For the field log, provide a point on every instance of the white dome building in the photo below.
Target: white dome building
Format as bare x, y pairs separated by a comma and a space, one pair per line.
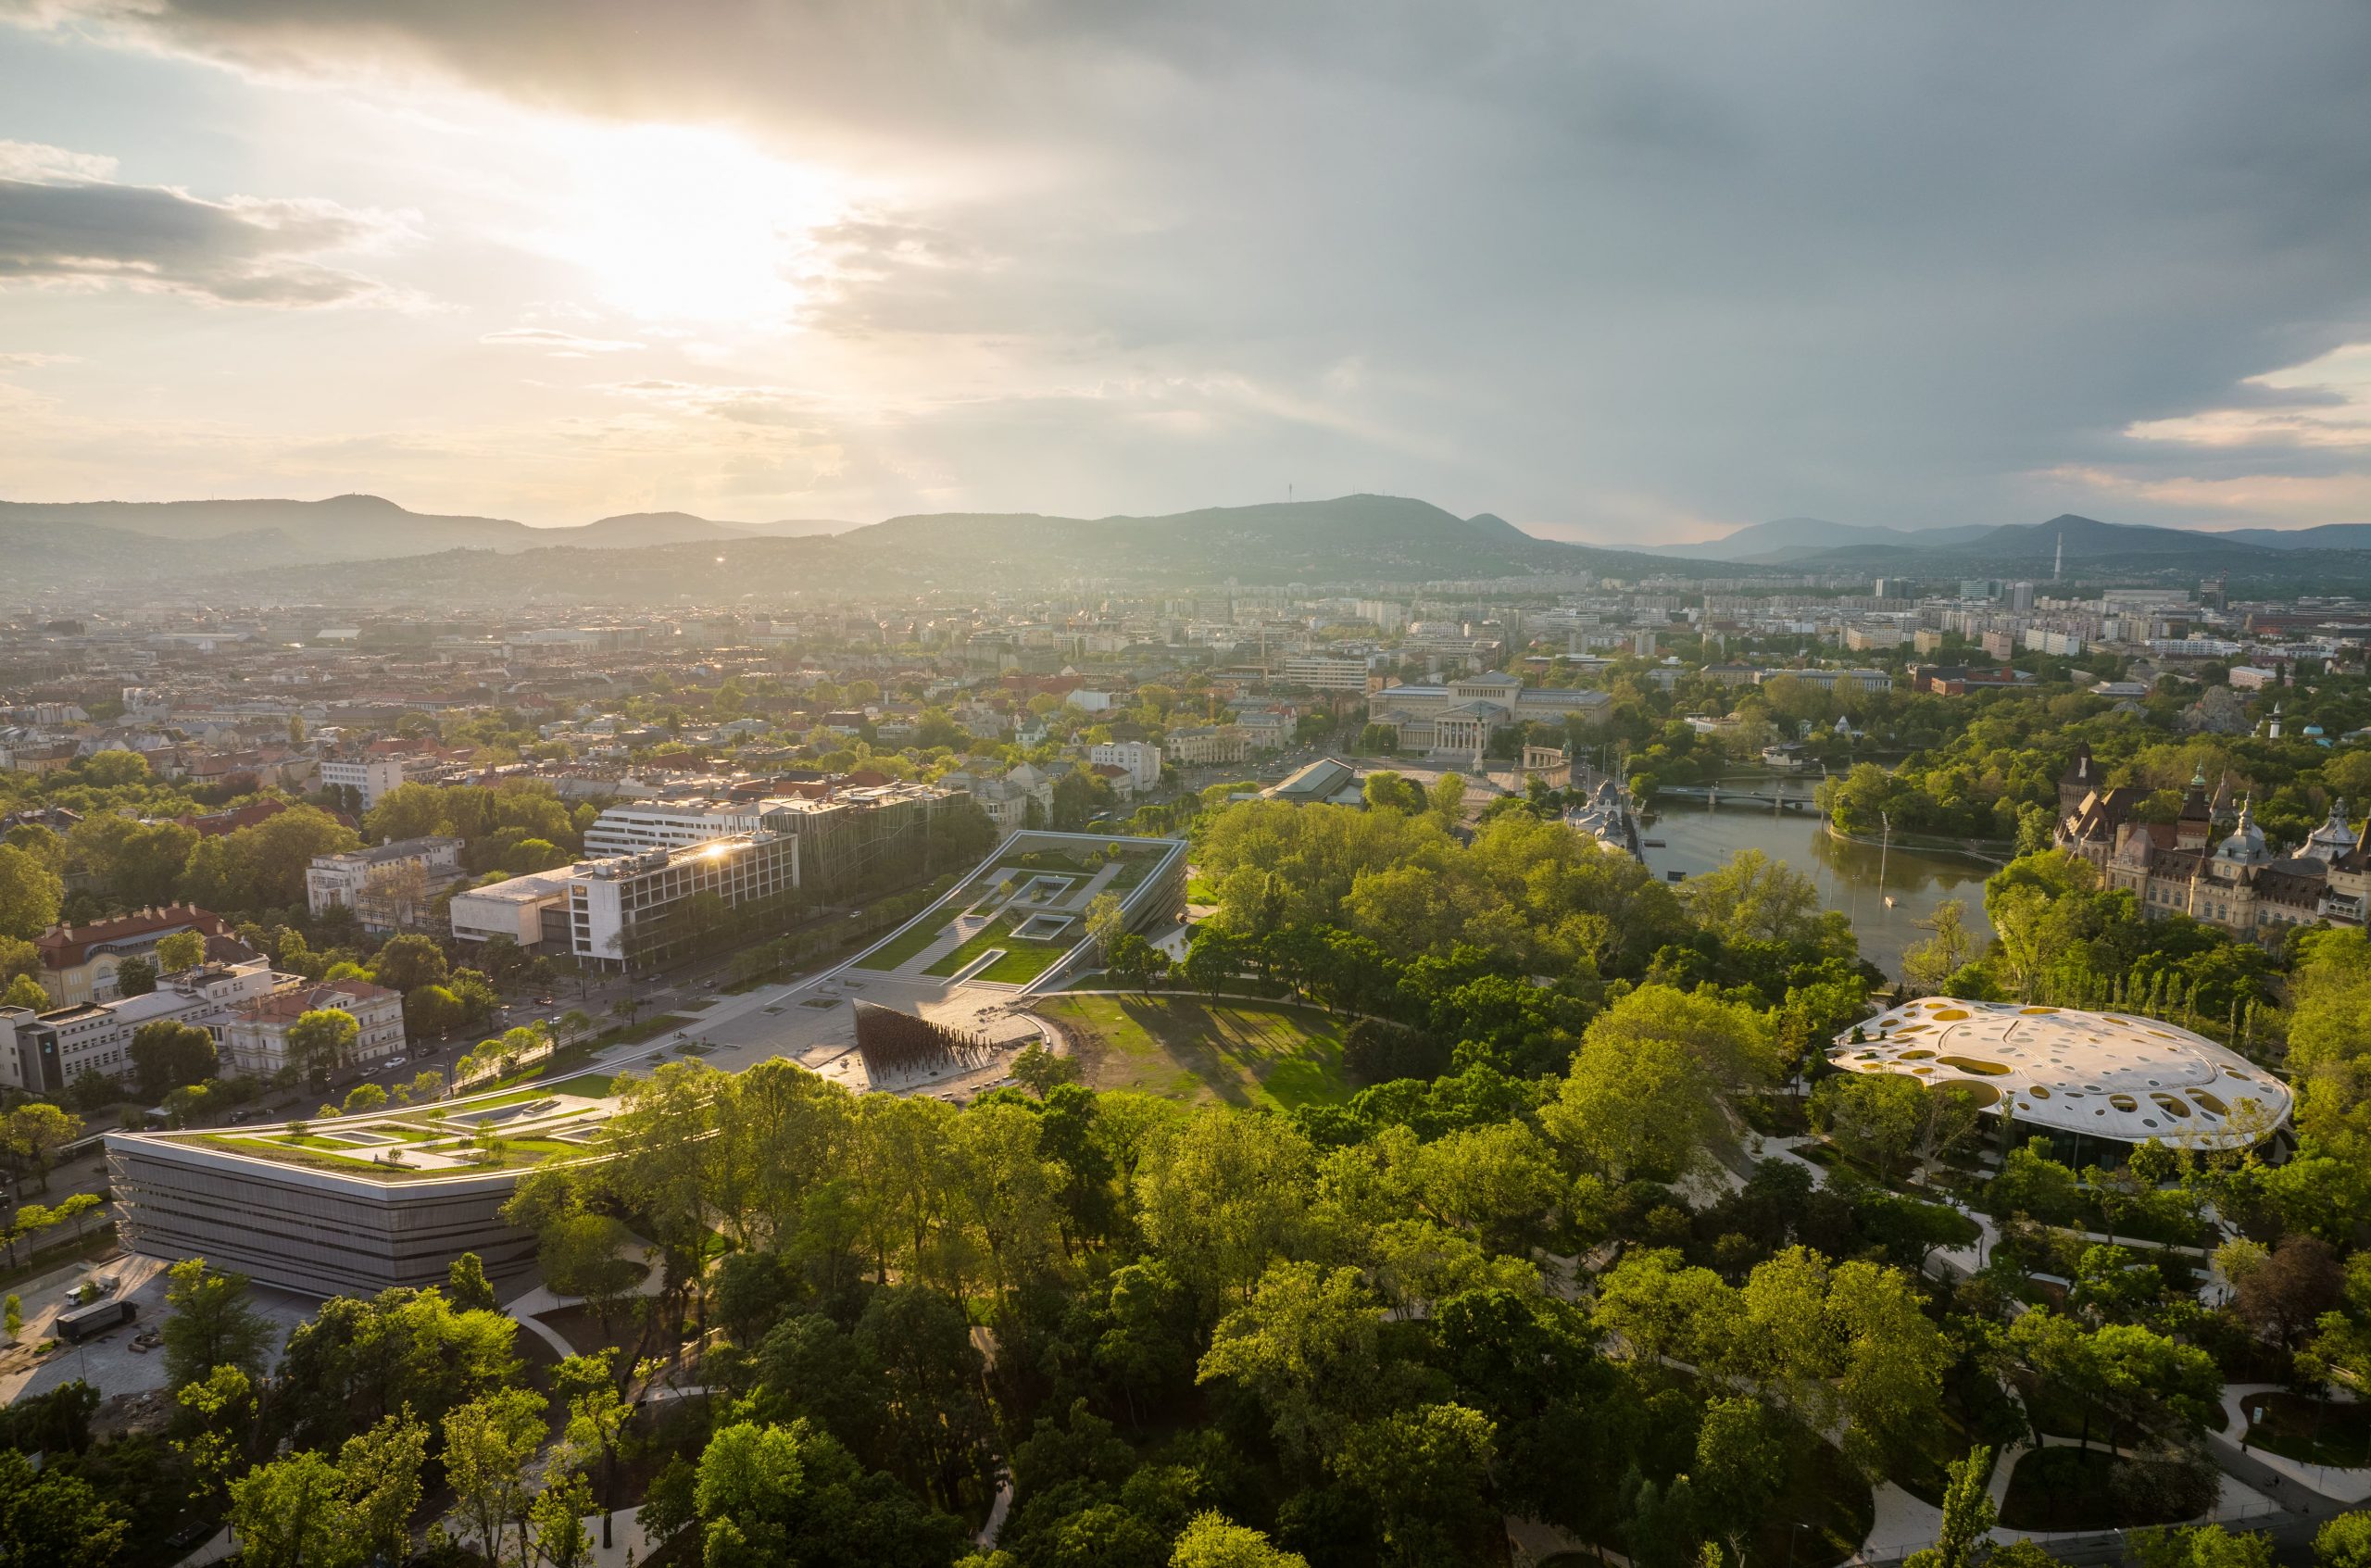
2104, 1076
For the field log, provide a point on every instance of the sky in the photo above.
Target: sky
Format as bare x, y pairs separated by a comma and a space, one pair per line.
1633, 272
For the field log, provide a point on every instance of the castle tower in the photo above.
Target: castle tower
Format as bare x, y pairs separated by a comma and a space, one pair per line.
2196, 822
2079, 779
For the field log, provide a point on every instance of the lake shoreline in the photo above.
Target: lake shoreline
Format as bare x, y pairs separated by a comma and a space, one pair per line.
1926, 844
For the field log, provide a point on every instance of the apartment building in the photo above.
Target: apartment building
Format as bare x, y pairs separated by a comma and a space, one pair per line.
1204, 745
44, 1052
388, 886
1264, 730
254, 1035
370, 777
1140, 757
79, 962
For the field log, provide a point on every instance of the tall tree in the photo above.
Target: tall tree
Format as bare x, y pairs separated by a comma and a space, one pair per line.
52, 1519
182, 949
168, 1054
408, 962
1304, 1347
1211, 1540
293, 1513
215, 1428
321, 1041
209, 1324
33, 1132
1968, 1514
1428, 1471
380, 1468
466, 1285
488, 1445
1222, 1249
598, 1418
30, 893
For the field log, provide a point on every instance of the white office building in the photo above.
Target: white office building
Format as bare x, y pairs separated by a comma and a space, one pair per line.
650, 824
623, 912
371, 777
1324, 673
1140, 757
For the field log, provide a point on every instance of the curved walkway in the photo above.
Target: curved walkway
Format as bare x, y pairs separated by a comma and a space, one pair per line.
2284, 1478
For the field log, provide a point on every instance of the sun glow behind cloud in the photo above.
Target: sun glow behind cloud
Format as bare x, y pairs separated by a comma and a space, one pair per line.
680, 224
2325, 402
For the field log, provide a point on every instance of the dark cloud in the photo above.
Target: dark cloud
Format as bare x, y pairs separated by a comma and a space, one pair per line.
244, 251
1620, 264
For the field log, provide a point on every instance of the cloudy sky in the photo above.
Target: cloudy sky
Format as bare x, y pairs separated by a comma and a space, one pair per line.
1624, 271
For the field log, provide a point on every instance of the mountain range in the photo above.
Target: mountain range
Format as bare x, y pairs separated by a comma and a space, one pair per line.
213, 550
311, 547
371, 527
1789, 539
1792, 541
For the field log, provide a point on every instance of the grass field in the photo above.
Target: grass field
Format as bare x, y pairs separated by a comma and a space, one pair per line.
2068, 1489
2309, 1431
889, 954
1184, 1049
1024, 961
992, 935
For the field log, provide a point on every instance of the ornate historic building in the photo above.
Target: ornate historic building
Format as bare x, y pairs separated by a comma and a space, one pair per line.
2193, 866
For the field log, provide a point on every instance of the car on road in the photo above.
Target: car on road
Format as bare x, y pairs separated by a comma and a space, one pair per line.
395, 1061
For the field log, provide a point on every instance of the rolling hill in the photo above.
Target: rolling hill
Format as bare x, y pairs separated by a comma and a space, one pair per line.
1795, 538
1375, 539
2328, 536
354, 528
311, 548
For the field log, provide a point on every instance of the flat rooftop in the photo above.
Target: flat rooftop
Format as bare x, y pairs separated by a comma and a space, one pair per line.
2110, 1075
535, 1124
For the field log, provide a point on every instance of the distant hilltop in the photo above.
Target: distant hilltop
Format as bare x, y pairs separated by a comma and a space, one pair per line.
1816, 543
313, 548
1371, 537
371, 527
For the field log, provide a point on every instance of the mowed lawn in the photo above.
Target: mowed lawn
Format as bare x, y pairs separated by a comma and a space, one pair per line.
1185, 1048
892, 953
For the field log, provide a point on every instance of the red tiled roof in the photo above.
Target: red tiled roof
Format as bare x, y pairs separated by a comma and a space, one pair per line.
65, 947
287, 1007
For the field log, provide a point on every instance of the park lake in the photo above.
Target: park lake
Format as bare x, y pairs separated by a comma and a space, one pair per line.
1696, 837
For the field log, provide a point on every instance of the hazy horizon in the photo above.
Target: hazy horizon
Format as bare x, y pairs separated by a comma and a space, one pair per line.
1639, 275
